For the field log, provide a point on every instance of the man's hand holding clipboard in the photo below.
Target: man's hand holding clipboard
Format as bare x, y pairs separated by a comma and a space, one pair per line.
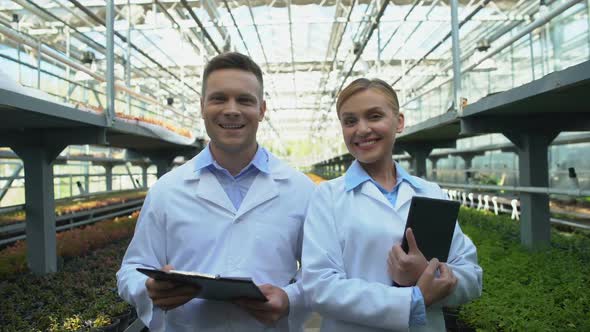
168, 295
169, 289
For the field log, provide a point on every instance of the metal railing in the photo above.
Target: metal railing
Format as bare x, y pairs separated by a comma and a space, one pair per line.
14, 232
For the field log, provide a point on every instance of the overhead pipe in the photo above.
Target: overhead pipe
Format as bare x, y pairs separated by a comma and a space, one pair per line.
40, 11
537, 23
171, 18
497, 34
324, 82
110, 23
261, 46
456, 55
465, 20
43, 13
361, 50
236, 26
196, 19
101, 22
434, 3
63, 59
292, 52
258, 34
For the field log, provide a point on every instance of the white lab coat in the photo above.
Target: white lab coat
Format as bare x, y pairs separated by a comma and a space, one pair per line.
189, 222
348, 236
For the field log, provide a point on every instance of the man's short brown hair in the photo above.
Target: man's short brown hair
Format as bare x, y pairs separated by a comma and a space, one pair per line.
232, 60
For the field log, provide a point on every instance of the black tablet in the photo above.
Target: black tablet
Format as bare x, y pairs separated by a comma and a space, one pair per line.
433, 223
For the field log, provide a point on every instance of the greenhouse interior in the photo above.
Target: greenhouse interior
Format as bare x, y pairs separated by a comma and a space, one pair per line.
105, 103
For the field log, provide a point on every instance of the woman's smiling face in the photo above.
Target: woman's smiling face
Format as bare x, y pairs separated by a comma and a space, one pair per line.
369, 125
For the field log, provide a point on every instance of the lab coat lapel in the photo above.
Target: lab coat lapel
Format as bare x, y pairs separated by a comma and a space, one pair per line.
369, 189
404, 194
262, 190
210, 189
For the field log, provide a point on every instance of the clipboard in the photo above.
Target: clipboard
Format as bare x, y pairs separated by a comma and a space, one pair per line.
433, 223
213, 287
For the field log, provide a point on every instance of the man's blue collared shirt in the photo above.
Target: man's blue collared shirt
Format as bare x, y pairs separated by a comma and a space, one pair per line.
237, 186
355, 176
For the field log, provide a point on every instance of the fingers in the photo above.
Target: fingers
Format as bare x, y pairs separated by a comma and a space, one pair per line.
266, 289
435, 288
426, 283
261, 311
431, 269
445, 271
412, 245
267, 312
168, 295
254, 305
169, 303
446, 274
397, 252
158, 285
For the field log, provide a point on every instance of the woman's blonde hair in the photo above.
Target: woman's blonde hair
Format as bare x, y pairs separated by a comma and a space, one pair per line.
363, 84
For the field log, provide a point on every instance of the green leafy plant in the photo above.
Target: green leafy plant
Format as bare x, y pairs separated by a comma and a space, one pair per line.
527, 291
78, 298
101, 320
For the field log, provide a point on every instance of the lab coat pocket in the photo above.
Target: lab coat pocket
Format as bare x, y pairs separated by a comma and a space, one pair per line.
276, 242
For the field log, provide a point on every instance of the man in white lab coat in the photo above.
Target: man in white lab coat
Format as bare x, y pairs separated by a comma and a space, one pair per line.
233, 210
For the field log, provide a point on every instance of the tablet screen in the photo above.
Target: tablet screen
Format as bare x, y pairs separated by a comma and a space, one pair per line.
433, 224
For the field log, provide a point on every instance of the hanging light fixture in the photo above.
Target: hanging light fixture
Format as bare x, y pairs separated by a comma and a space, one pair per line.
88, 57
488, 64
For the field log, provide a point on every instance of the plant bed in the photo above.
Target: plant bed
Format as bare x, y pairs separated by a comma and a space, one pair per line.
70, 244
81, 297
453, 322
70, 206
545, 290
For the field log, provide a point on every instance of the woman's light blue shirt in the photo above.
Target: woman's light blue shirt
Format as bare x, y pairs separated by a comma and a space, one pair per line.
355, 176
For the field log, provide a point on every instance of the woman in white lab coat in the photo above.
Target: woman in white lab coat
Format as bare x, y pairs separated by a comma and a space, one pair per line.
355, 224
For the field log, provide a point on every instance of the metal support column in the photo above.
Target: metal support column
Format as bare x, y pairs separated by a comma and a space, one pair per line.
532, 51
39, 46
588, 19
468, 159
533, 172
434, 161
40, 206
110, 19
128, 57
68, 70
108, 171
144, 175
87, 182
456, 55
162, 165
419, 155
